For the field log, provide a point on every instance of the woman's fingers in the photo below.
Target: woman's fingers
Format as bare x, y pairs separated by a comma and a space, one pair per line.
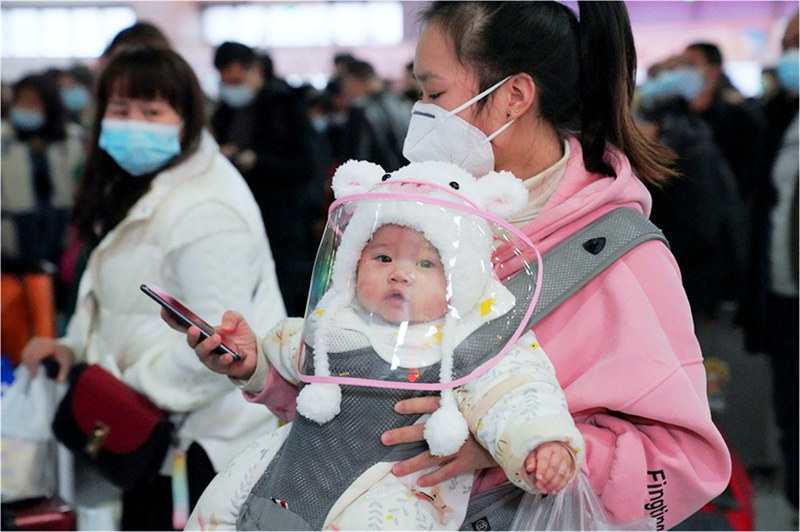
33, 353
408, 434
450, 467
418, 405
168, 317
416, 463
471, 456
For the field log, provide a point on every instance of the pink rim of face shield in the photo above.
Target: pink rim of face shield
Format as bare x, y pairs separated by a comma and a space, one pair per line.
469, 208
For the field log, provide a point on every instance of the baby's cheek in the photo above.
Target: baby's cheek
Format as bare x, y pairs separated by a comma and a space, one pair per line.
435, 309
365, 293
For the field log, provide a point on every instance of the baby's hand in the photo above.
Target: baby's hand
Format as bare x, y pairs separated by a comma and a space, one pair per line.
550, 467
235, 332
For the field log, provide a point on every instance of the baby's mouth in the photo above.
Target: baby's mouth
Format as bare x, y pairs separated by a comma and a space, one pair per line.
397, 297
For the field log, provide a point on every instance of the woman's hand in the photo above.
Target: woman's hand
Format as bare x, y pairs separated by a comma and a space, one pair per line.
40, 348
471, 456
234, 332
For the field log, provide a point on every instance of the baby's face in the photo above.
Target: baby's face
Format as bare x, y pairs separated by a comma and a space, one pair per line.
400, 277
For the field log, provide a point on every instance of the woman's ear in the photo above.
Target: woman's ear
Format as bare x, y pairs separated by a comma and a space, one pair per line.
521, 91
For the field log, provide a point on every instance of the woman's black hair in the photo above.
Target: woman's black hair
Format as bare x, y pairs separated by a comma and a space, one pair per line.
55, 115
106, 191
584, 70
140, 33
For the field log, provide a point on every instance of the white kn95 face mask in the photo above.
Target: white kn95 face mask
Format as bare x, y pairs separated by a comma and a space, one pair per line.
438, 135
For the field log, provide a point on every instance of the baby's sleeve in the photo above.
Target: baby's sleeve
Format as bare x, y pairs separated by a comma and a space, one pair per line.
281, 347
518, 405
274, 382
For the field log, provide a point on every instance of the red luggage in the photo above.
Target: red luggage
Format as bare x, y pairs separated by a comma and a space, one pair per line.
50, 513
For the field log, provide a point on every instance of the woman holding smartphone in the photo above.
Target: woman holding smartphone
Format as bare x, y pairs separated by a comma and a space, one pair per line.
158, 204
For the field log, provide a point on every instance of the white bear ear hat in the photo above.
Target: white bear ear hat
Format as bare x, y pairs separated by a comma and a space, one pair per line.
464, 244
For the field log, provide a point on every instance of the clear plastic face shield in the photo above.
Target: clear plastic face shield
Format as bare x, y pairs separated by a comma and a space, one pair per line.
420, 283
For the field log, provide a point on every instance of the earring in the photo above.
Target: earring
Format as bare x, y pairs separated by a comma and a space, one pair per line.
516, 110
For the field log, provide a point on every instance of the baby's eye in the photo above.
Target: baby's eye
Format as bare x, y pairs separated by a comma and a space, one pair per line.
383, 258
427, 264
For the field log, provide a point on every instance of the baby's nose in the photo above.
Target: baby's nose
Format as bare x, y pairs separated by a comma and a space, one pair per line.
402, 274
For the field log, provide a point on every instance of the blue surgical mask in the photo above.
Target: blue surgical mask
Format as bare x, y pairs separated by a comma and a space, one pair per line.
319, 123
237, 96
684, 82
75, 98
140, 147
26, 119
787, 70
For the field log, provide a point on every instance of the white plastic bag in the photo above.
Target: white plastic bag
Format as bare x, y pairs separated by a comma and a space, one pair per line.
28, 449
576, 507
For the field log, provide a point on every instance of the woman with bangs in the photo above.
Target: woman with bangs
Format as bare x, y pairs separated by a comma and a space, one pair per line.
158, 204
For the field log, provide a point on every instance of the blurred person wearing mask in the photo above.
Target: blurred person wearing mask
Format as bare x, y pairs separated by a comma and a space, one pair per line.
772, 313
377, 121
736, 123
158, 204
76, 84
336, 109
41, 156
738, 127
701, 212
264, 129
77, 93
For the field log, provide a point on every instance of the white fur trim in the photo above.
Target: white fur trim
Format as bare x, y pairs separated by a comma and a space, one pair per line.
319, 401
504, 194
446, 430
355, 177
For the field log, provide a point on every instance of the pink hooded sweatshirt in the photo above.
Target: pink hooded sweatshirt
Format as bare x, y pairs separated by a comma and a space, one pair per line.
630, 364
627, 357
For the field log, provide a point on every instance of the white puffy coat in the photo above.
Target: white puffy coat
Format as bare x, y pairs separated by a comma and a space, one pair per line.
198, 234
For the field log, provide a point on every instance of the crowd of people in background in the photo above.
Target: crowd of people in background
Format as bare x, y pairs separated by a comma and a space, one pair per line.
726, 219
303, 133
732, 219
286, 141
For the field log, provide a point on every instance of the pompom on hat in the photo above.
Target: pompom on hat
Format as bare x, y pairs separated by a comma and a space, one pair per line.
465, 245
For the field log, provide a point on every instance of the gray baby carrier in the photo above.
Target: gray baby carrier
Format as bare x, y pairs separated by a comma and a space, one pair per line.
298, 489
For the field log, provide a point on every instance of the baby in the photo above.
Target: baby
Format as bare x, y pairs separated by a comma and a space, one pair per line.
409, 297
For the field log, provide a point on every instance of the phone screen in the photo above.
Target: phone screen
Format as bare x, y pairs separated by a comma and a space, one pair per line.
186, 316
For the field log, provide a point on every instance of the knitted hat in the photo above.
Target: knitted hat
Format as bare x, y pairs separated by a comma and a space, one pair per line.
419, 196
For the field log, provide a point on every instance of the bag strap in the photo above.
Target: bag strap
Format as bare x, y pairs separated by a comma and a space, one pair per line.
579, 258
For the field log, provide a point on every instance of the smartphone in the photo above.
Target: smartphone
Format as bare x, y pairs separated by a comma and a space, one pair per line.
186, 316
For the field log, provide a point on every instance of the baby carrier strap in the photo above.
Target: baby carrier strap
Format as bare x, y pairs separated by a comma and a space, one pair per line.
585, 254
567, 267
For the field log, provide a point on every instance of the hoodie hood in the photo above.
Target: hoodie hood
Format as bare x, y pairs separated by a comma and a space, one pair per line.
582, 194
